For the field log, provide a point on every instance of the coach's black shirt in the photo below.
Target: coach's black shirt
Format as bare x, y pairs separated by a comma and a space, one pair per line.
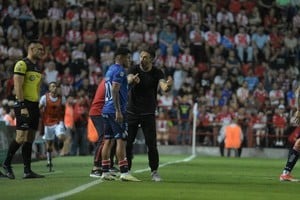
143, 96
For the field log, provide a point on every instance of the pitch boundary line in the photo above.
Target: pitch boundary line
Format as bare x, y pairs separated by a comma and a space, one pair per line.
91, 184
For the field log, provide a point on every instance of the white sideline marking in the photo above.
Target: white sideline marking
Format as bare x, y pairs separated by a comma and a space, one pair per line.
74, 191
91, 184
167, 163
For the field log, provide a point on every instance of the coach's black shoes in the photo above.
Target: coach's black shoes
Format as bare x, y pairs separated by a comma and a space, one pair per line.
8, 172
32, 174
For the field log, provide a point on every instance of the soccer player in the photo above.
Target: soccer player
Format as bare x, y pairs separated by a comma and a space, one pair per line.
294, 152
27, 79
96, 120
52, 106
144, 80
114, 114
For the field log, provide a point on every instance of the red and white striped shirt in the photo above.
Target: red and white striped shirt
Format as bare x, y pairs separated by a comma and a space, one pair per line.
212, 38
73, 36
150, 38
186, 60
242, 39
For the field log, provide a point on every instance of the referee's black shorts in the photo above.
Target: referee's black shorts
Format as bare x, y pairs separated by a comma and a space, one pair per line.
34, 115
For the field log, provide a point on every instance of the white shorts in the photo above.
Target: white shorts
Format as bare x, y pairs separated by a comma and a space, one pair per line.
55, 130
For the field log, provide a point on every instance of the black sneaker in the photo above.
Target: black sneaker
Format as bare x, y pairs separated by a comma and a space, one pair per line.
31, 174
96, 173
114, 169
49, 166
8, 172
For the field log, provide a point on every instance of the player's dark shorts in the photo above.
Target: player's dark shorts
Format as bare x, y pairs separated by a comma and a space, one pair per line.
98, 124
34, 115
113, 129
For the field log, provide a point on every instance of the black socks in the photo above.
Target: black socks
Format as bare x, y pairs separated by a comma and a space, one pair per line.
26, 154
13, 147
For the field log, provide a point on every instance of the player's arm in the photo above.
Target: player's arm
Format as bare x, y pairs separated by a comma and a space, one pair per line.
297, 98
116, 99
166, 85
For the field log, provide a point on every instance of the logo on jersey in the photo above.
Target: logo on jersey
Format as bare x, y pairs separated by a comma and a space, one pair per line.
32, 77
19, 67
122, 74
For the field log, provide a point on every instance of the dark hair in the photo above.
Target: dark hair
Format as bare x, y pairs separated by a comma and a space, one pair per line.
150, 50
35, 42
123, 51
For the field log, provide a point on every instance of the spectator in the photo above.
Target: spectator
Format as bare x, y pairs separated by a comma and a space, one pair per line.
279, 121
73, 37
62, 58
50, 73
105, 37
55, 15
212, 40
242, 18
40, 9
225, 18
243, 45
243, 93
260, 95
254, 17
260, 42
101, 15
14, 32
251, 79
184, 120
72, 16
276, 95
87, 16
197, 44
121, 36
186, 59
259, 125
168, 38
89, 38
162, 127
150, 36
79, 139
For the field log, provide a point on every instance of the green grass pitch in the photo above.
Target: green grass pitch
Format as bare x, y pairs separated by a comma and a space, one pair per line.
202, 178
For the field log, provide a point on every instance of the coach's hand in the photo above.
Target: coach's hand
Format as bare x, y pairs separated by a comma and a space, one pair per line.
136, 78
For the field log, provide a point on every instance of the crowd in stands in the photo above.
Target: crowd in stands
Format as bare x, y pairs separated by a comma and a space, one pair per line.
238, 59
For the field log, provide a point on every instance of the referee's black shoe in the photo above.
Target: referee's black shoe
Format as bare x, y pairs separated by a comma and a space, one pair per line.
8, 172
32, 174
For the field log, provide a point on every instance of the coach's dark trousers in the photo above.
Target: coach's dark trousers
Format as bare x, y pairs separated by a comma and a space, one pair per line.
148, 125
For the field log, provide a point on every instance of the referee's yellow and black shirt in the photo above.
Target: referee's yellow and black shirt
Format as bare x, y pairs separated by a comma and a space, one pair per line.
32, 78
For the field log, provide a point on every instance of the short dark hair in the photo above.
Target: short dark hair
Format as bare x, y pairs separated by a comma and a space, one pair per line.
150, 50
123, 51
35, 42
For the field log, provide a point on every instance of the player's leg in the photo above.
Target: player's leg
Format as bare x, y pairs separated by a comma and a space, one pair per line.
97, 121
291, 162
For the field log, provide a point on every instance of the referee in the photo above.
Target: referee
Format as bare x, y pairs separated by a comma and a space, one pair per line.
27, 79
